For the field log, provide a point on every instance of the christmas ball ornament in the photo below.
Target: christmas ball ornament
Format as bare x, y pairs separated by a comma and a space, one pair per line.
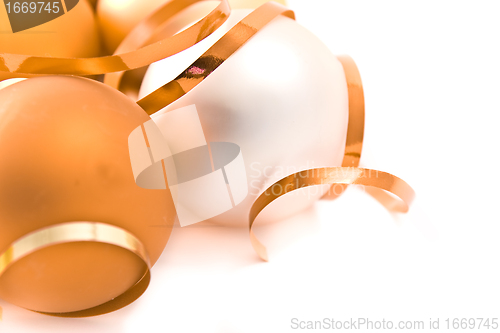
282, 98
74, 34
78, 235
93, 3
117, 17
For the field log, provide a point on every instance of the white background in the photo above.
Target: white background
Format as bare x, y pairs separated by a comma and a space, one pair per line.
431, 73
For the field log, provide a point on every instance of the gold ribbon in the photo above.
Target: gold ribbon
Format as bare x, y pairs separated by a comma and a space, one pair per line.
144, 46
378, 184
336, 175
356, 122
130, 59
82, 232
233, 40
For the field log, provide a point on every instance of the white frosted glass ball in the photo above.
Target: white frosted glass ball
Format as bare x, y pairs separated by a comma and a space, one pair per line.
282, 98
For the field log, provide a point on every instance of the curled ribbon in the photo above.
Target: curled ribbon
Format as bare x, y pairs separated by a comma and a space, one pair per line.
130, 59
145, 45
233, 40
336, 175
379, 184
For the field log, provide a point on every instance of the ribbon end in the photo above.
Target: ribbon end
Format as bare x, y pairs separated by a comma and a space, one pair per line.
258, 247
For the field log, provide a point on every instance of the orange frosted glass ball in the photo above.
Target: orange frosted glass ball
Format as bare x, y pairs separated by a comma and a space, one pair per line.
65, 158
